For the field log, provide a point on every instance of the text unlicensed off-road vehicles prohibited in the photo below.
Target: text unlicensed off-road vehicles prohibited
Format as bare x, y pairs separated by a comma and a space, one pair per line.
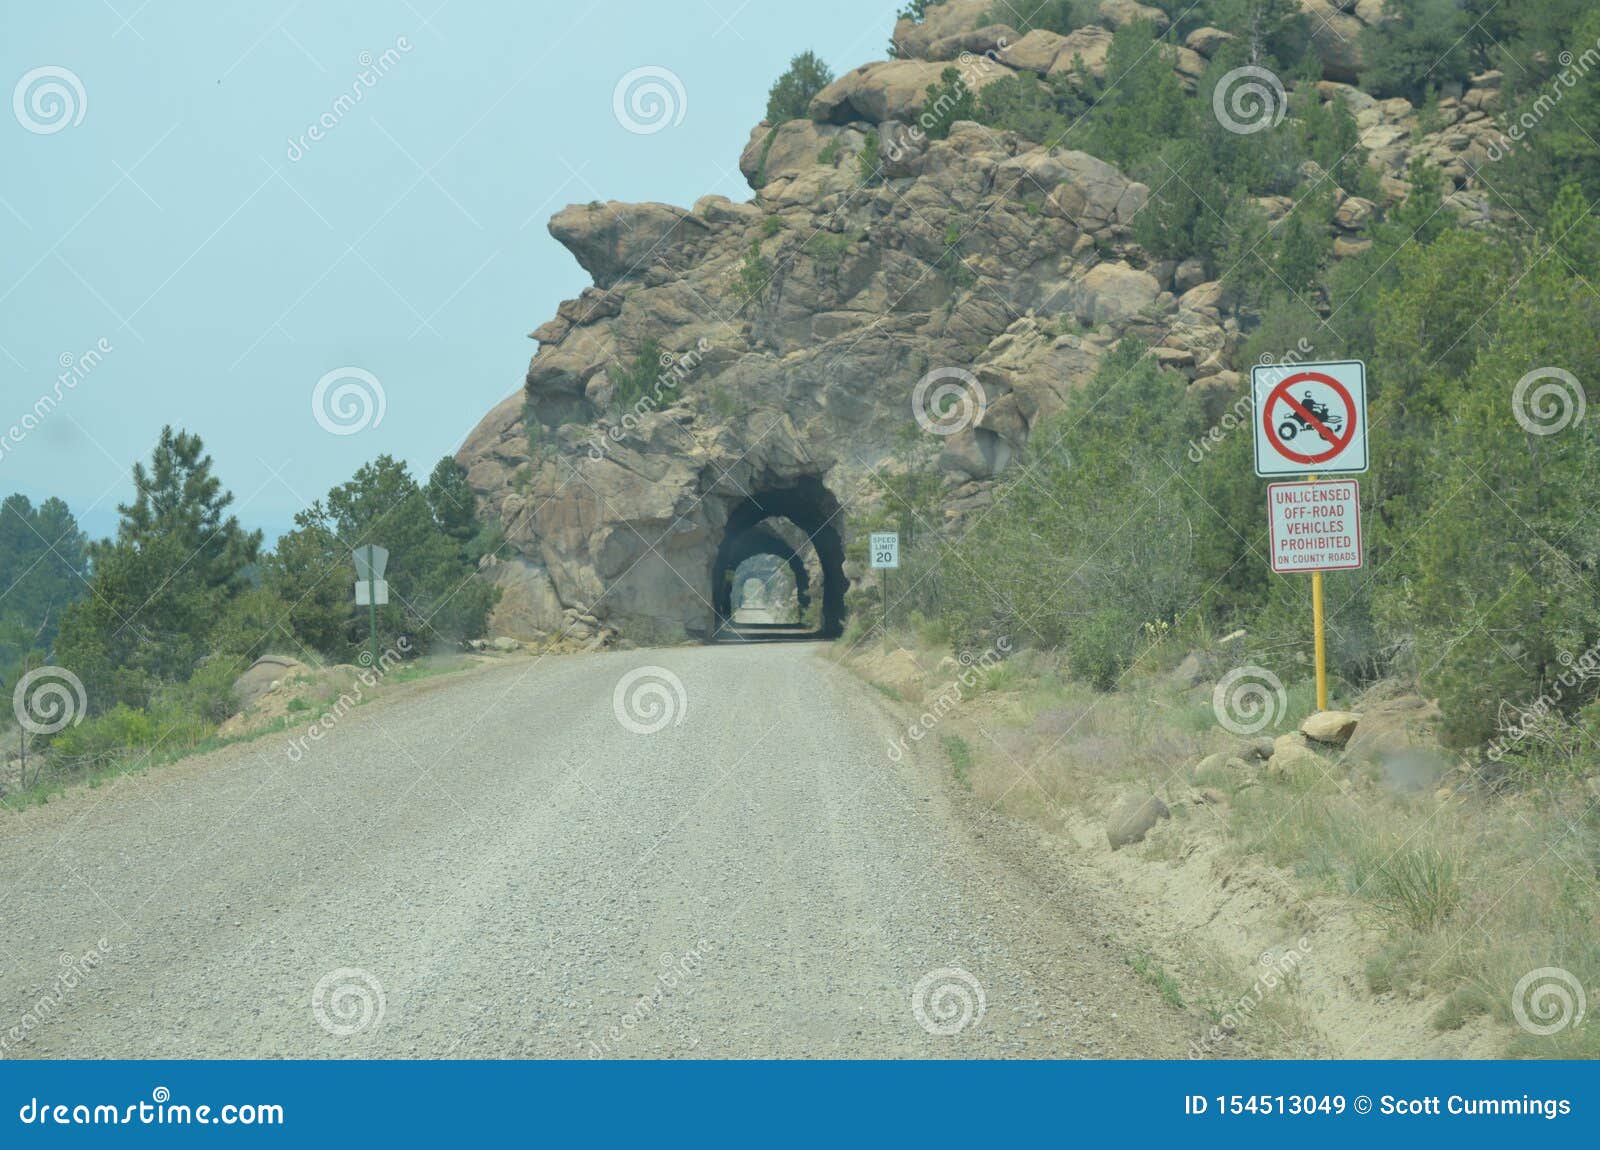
1309, 421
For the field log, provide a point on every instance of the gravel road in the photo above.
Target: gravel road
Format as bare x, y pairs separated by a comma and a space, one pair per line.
510, 863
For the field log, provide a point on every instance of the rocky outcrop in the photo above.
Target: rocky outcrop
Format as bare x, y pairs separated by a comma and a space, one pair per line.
796, 338
893, 90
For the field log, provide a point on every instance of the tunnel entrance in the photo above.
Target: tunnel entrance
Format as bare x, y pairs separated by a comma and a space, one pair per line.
781, 535
766, 589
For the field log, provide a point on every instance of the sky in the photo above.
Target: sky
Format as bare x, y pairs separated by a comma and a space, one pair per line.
176, 247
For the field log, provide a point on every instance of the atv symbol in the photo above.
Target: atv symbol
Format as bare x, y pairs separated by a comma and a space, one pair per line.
1296, 422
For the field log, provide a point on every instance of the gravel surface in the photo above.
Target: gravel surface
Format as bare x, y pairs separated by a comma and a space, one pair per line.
494, 864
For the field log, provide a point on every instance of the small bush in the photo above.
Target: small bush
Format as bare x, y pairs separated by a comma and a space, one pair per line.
1419, 887
960, 756
791, 93
869, 161
755, 272
947, 101
828, 248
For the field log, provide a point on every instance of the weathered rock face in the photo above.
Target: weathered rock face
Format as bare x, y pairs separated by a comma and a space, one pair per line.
793, 331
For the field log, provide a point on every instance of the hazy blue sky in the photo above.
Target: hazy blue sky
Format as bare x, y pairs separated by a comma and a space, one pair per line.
162, 212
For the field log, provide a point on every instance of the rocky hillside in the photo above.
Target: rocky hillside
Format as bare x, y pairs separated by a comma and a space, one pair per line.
738, 360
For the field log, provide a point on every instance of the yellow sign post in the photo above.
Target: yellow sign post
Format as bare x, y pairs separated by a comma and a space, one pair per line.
1321, 642
1319, 637
1312, 417
1315, 527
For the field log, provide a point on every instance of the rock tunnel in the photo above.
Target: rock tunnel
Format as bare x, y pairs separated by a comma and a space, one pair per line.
797, 523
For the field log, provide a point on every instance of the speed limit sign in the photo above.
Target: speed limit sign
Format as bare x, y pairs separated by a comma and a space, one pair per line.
885, 549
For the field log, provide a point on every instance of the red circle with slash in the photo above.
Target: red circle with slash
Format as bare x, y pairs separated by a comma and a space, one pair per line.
1337, 442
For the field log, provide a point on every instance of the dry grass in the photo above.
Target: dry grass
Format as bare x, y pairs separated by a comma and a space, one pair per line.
1465, 889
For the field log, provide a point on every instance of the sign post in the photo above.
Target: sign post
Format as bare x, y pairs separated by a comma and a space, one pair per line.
371, 591
1319, 640
884, 547
1312, 417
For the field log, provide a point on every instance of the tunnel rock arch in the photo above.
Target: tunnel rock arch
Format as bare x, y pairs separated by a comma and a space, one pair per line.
797, 521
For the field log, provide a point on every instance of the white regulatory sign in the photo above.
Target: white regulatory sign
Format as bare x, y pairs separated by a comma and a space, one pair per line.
1310, 418
370, 561
1315, 526
380, 589
885, 549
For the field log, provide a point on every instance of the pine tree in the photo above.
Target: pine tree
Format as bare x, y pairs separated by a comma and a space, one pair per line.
791, 92
160, 587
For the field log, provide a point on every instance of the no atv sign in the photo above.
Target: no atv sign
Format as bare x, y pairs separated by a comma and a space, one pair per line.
1310, 418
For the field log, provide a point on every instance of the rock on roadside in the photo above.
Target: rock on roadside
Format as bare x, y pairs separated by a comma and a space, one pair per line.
1131, 819
1331, 727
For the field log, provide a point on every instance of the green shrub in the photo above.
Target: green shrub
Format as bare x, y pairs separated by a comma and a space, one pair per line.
634, 378
828, 248
755, 273
869, 161
1417, 46
791, 93
1417, 887
959, 753
949, 100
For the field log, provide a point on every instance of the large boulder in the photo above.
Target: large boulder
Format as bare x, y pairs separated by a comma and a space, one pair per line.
1092, 194
1116, 13
1335, 38
265, 675
1111, 292
614, 240
1133, 817
1047, 53
980, 41
529, 607
895, 89
1034, 52
1207, 41
1331, 728
916, 38
792, 149
1292, 758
